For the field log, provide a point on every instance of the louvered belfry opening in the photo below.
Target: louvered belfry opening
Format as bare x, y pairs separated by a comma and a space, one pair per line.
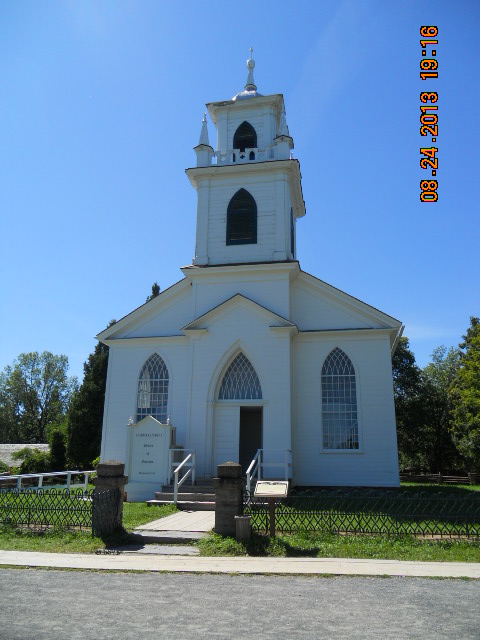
245, 137
242, 219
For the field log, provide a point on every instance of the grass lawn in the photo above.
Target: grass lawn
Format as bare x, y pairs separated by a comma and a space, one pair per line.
55, 541
329, 545
302, 544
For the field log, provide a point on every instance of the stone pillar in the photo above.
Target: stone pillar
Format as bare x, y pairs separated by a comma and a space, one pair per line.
228, 497
108, 509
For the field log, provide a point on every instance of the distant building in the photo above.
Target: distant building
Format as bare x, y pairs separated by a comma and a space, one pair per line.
248, 351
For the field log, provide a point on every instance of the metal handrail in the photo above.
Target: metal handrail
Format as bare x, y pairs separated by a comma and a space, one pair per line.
256, 469
52, 474
191, 472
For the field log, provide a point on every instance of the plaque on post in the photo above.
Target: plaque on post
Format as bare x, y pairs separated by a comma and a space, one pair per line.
271, 489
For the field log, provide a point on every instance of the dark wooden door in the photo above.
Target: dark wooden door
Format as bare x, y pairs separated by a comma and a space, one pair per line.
250, 434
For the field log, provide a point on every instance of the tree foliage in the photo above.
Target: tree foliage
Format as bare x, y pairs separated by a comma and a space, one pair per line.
58, 451
423, 408
465, 397
408, 393
155, 292
34, 394
85, 416
33, 460
441, 454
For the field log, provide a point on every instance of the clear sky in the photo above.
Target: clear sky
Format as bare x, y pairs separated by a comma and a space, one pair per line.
101, 104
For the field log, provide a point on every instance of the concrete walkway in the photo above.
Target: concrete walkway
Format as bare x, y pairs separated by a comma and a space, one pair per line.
246, 565
184, 521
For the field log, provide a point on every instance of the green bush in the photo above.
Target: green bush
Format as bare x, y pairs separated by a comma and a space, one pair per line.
33, 460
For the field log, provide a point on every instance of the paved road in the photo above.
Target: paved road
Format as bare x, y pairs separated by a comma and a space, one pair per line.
60, 605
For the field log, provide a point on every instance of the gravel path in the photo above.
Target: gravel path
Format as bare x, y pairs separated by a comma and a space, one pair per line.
39, 604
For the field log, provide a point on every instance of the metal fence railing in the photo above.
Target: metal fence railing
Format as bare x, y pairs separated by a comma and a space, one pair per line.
370, 512
42, 509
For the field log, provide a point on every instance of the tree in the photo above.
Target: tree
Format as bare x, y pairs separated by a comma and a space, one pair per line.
85, 416
441, 453
155, 292
465, 398
408, 392
34, 394
58, 451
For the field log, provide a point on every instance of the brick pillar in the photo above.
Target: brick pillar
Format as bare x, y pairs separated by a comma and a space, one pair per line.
107, 513
228, 497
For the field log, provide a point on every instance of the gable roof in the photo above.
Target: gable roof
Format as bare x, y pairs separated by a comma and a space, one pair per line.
345, 299
145, 310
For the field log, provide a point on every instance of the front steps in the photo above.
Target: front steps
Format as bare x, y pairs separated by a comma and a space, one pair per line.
199, 497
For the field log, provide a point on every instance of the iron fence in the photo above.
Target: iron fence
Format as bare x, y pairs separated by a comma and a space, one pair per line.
42, 509
369, 512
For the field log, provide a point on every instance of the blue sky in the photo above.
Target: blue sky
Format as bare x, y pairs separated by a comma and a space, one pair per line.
102, 103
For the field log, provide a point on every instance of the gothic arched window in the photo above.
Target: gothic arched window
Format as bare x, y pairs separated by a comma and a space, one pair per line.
242, 219
240, 381
152, 397
339, 402
245, 137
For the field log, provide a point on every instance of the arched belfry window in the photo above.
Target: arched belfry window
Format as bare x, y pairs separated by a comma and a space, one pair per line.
339, 402
245, 137
242, 219
240, 381
152, 398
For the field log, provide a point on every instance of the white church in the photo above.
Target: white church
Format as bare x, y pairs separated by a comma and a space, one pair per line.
247, 353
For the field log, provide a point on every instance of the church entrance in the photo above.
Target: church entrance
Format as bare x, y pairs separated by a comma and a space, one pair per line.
250, 434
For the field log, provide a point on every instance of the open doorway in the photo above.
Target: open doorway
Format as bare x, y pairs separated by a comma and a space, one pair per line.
250, 434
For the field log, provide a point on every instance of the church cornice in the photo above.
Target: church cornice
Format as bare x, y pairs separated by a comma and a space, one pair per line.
200, 271
274, 100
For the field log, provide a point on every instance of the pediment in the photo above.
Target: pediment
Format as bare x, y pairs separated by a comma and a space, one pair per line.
236, 302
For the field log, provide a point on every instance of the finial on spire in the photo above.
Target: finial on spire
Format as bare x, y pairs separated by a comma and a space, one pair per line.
204, 132
250, 86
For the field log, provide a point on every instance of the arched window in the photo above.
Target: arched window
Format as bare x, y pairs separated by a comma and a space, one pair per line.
339, 402
245, 137
152, 398
240, 381
242, 219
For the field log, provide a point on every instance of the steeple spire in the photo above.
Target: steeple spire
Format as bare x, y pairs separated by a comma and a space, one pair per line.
283, 127
204, 132
203, 149
250, 86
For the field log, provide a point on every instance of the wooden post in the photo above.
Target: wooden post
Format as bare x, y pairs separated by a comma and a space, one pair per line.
271, 505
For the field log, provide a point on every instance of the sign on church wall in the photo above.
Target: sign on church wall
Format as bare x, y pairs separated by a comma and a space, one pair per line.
149, 447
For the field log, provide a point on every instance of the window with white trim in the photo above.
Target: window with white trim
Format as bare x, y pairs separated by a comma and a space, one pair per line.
152, 397
339, 402
240, 381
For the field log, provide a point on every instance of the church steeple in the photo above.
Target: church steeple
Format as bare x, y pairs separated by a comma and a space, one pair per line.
251, 196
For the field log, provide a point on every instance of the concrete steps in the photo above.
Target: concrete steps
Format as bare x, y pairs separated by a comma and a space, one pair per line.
199, 497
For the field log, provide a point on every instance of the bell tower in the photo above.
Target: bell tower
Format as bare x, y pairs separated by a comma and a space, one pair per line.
249, 189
